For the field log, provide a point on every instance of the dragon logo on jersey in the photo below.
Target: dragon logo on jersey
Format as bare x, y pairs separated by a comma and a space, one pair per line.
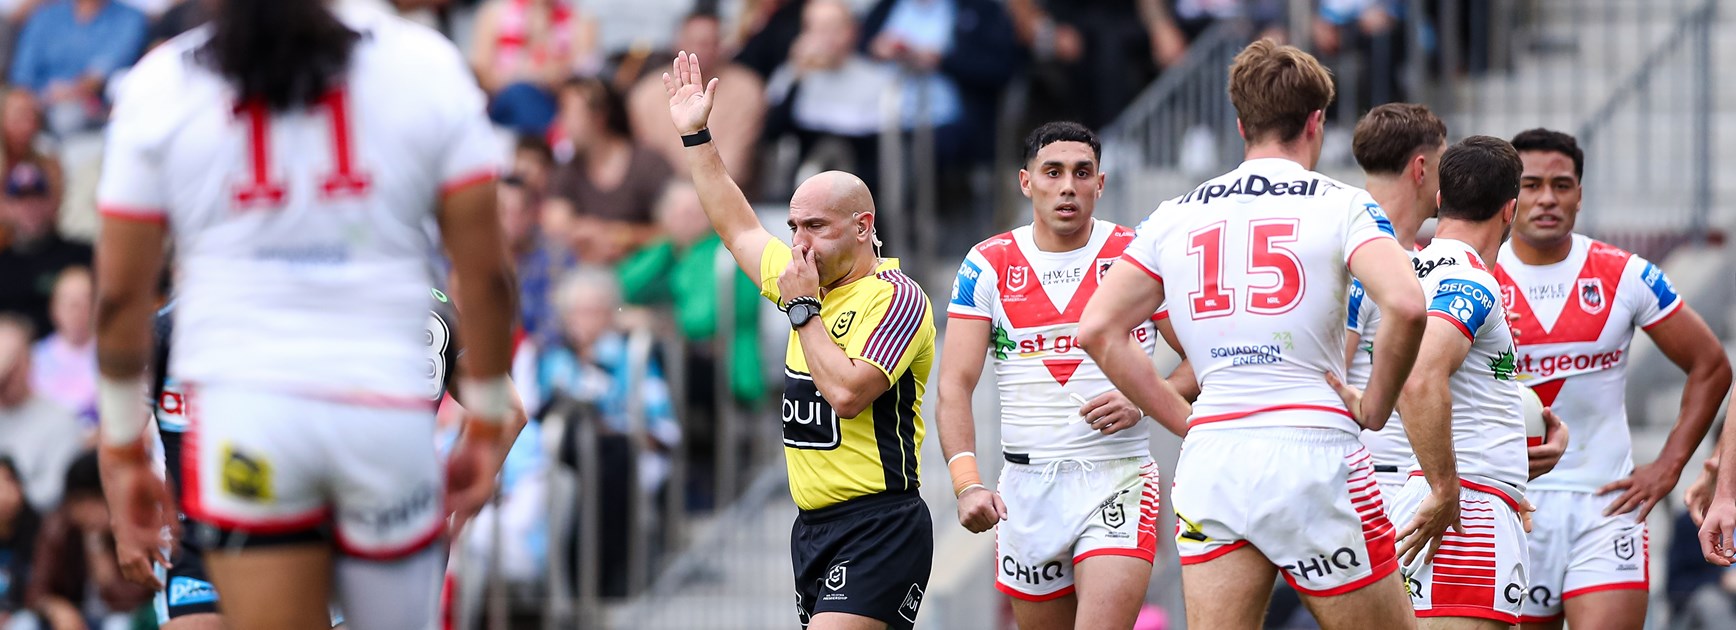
1504, 365
1001, 342
1591, 295
1017, 277
1103, 265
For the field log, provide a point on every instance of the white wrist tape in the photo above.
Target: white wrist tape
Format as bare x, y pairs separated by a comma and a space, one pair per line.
121, 409
955, 458
487, 399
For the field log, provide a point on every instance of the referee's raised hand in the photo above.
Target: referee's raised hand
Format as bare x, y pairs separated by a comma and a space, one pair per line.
690, 96
979, 509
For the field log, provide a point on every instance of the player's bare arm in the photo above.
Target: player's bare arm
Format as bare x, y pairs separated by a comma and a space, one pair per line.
1182, 378
127, 274
1690, 344
1386, 275
1427, 408
690, 100
961, 367
1699, 494
850, 385
477, 247
1126, 297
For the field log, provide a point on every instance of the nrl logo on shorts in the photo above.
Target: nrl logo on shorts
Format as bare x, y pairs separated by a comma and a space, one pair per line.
1017, 277
1114, 514
835, 579
1591, 295
1624, 548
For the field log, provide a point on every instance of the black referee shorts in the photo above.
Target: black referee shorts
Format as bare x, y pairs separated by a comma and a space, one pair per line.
868, 556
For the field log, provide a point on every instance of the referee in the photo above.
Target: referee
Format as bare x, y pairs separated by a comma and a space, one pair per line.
858, 359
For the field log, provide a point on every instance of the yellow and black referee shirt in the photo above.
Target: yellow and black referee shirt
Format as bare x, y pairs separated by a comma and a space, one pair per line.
883, 319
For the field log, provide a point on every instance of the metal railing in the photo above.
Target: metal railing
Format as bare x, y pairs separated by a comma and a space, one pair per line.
1182, 127
1632, 80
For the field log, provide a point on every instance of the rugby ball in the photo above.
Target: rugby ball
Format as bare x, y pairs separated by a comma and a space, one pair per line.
1534, 426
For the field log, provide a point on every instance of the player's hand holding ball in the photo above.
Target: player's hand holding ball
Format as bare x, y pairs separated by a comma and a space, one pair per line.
1543, 457
979, 509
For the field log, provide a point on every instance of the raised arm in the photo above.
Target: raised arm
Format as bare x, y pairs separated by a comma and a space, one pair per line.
690, 99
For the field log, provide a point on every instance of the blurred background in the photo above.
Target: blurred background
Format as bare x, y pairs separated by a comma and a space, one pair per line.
649, 491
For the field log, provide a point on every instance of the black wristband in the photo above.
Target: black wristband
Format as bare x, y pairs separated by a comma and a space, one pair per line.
802, 300
696, 138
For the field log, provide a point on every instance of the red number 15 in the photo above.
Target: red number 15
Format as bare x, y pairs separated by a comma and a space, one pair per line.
1266, 255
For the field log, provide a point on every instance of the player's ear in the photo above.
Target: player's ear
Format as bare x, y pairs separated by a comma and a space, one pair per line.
1510, 212
1419, 168
1102, 178
1025, 182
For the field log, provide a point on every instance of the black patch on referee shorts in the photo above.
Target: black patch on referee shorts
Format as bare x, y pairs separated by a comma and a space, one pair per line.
868, 556
809, 421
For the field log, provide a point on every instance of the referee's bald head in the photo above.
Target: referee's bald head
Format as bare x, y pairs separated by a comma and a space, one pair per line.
834, 191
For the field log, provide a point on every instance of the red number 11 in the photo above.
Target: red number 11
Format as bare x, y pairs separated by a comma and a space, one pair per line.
261, 192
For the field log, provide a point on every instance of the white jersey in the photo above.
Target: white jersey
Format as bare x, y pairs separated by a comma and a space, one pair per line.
1573, 321
1488, 413
1033, 299
303, 254
1255, 270
1390, 446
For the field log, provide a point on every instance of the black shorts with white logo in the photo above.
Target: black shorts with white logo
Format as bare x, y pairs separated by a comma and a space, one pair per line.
187, 589
868, 556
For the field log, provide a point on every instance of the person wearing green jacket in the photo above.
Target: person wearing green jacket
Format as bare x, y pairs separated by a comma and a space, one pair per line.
682, 269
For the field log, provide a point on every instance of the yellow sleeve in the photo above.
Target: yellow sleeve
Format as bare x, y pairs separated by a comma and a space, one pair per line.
891, 328
773, 261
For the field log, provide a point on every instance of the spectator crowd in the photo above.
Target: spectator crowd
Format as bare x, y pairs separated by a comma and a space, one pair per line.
607, 236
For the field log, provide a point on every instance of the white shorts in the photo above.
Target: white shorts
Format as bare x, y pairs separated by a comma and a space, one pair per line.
1063, 512
1304, 497
259, 464
1480, 573
1576, 550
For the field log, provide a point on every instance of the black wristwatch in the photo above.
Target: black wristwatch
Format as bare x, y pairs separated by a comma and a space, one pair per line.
801, 310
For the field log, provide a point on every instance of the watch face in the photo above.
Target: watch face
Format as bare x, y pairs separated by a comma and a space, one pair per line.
801, 313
